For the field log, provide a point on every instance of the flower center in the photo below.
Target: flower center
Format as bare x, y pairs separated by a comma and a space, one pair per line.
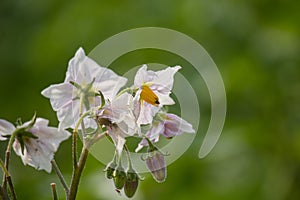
149, 96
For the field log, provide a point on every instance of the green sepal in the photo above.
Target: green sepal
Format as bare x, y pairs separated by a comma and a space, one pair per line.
27, 134
119, 177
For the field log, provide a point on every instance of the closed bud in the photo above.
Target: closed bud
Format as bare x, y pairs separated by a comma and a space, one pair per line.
119, 177
110, 168
157, 165
131, 183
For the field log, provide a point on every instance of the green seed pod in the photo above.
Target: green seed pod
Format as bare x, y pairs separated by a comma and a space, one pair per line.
110, 168
131, 183
119, 177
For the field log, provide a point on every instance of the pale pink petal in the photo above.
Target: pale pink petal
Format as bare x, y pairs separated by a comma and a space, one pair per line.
6, 128
175, 125
40, 151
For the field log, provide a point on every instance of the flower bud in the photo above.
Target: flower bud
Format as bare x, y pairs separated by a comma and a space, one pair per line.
157, 165
110, 169
119, 177
131, 183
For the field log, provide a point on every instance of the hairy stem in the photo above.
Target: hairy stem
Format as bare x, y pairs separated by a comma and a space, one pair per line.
77, 174
74, 149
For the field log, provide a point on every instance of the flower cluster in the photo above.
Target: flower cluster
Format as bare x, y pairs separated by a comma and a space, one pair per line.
91, 98
90, 87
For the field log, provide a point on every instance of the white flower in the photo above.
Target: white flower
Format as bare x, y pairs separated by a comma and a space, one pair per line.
36, 145
153, 92
170, 126
88, 79
119, 120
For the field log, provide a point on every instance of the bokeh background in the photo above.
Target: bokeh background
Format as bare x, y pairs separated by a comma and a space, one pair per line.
255, 44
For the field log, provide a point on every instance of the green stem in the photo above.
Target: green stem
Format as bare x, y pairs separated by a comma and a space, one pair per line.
7, 154
8, 179
11, 188
128, 156
126, 90
6, 173
74, 138
74, 149
3, 193
77, 174
60, 176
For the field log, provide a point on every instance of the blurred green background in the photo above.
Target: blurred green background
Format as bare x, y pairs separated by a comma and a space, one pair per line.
256, 46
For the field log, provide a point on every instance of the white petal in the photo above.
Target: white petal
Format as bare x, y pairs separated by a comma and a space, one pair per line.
143, 76
6, 128
39, 152
147, 112
60, 95
164, 99
108, 82
41, 122
165, 78
68, 115
83, 70
34, 155
74, 69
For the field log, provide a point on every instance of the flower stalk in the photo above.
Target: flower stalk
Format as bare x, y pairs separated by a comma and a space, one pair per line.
7, 177
60, 176
53, 187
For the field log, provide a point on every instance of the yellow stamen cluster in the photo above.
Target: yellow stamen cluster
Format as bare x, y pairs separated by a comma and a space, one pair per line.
149, 96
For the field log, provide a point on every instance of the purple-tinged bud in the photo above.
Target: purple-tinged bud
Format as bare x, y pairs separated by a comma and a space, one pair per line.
119, 177
157, 165
131, 183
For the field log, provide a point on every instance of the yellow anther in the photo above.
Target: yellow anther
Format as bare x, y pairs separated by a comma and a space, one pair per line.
149, 96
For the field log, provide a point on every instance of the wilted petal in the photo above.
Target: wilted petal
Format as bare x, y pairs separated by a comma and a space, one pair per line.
6, 128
